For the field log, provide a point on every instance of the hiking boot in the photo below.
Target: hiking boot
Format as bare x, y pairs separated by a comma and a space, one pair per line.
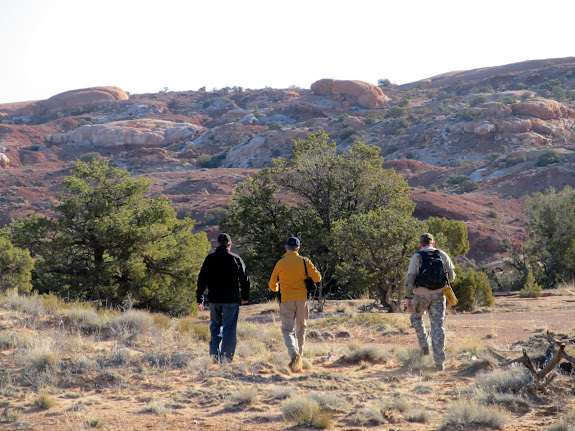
296, 363
425, 351
440, 367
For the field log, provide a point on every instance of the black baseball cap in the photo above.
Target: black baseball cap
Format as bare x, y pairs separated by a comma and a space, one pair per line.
224, 238
293, 241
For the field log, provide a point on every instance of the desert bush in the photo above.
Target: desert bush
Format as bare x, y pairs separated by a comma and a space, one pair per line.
282, 392
95, 423
478, 100
11, 414
472, 289
530, 289
383, 82
214, 215
413, 359
492, 214
346, 133
369, 415
508, 380
365, 353
41, 356
44, 401
512, 161
246, 330
90, 157
509, 401
433, 188
188, 325
132, 322
548, 158
300, 410
418, 415
507, 100
467, 114
457, 179
567, 422
250, 347
161, 321
15, 267
210, 162
154, 407
85, 318
468, 186
469, 412
330, 401
28, 304
396, 112
525, 96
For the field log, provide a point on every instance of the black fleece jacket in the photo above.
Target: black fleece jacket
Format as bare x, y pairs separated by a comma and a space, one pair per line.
223, 274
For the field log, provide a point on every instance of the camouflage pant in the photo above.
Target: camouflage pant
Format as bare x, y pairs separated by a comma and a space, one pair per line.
435, 305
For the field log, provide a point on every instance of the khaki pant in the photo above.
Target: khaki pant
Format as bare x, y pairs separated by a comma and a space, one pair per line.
294, 315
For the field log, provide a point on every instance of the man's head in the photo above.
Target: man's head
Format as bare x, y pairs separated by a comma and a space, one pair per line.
224, 240
426, 240
293, 243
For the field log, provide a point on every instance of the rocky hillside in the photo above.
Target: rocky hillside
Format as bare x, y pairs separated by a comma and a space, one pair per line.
473, 144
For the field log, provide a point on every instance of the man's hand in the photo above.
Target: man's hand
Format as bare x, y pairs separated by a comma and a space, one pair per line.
409, 305
244, 302
200, 306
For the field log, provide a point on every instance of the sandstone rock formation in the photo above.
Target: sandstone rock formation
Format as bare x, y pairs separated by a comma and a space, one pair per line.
351, 92
4, 160
85, 98
141, 133
540, 108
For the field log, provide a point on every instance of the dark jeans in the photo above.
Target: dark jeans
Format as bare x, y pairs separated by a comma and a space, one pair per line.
226, 316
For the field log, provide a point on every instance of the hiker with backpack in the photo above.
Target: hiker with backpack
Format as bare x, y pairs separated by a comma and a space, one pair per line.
429, 274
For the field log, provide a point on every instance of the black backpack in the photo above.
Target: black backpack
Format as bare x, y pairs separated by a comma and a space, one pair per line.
432, 274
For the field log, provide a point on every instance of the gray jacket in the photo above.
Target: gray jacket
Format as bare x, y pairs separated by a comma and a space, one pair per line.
413, 272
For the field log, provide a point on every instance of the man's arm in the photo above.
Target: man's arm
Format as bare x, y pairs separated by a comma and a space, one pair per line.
411, 276
244, 282
312, 271
274, 279
202, 283
450, 269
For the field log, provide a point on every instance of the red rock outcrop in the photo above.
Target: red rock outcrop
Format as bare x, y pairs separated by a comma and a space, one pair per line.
84, 98
544, 109
351, 92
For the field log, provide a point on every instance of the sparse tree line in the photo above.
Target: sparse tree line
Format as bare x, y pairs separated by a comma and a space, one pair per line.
107, 242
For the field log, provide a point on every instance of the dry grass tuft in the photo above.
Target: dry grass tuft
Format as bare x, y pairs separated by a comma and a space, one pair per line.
300, 410
414, 359
282, 392
331, 402
567, 422
470, 412
369, 415
189, 326
371, 354
509, 380
44, 400
419, 415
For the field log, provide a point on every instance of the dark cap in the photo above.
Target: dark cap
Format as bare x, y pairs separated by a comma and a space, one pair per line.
426, 239
224, 238
293, 241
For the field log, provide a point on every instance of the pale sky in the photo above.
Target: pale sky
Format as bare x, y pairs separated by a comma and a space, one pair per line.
51, 46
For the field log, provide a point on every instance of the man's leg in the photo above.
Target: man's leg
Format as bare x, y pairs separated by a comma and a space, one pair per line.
420, 306
287, 316
437, 326
302, 314
230, 323
216, 323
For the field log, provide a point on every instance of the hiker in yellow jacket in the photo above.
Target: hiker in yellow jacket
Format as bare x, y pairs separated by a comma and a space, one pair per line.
290, 273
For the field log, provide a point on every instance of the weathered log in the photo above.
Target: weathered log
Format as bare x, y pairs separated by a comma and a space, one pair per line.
554, 341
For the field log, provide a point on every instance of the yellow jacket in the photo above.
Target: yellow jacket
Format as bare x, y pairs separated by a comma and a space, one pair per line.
289, 272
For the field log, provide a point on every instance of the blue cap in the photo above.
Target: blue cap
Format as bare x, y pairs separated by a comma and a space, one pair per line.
293, 241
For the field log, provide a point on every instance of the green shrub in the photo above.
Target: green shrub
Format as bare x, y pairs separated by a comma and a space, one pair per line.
433, 188
396, 112
383, 82
478, 100
346, 133
214, 215
548, 158
521, 86
469, 412
457, 179
468, 114
472, 289
468, 186
525, 96
512, 161
210, 162
507, 100
530, 289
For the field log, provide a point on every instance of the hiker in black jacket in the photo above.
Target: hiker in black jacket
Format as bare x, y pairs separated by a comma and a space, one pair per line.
223, 273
